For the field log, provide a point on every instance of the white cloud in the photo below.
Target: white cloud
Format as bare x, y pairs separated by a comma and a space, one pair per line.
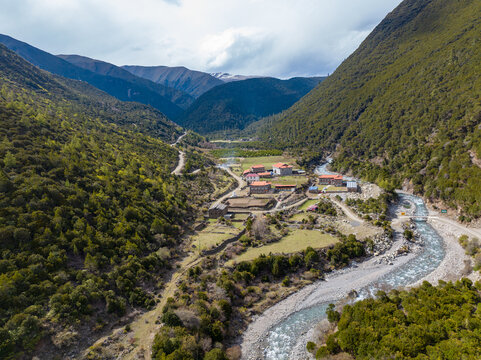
265, 37
233, 47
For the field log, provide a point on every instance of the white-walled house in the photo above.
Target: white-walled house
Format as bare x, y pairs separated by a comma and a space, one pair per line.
281, 169
250, 178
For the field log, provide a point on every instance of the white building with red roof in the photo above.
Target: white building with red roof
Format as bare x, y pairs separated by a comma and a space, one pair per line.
281, 169
250, 178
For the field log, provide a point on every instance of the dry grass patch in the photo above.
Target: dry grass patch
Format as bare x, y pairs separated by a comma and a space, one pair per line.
296, 241
213, 235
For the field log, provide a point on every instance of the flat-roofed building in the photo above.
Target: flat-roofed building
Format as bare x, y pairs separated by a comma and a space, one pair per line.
258, 169
352, 186
336, 180
217, 211
289, 187
260, 187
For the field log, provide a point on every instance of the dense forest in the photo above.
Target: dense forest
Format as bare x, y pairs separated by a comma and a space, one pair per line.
404, 105
90, 216
428, 322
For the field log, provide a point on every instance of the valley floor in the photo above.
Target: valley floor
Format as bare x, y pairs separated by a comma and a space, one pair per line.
136, 343
338, 285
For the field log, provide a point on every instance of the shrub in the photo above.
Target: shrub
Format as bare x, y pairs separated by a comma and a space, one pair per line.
171, 319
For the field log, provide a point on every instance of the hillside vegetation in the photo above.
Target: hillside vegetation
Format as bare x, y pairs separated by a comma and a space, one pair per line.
234, 105
90, 216
428, 322
404, 106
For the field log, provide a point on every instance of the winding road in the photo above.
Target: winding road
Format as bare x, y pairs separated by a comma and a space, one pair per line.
180, 166
241, 184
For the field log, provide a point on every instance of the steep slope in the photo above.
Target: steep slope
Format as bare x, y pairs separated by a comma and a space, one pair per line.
237, 104
404, 107
120, 88
194, 83
85, 206
179, 98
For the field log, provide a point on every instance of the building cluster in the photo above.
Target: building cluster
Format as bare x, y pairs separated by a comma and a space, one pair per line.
336, 181
257, 178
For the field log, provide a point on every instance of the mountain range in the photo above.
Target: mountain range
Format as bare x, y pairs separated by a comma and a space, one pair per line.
194, 83
235, 105
199, 101
122, 88
403, 109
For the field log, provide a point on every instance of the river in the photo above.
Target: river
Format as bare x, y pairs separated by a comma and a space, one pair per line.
283, 336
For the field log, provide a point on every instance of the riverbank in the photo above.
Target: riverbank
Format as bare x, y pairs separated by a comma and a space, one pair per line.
368, 276
453, 265
335, 287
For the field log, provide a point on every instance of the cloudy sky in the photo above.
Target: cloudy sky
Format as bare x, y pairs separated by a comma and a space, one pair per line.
281, 38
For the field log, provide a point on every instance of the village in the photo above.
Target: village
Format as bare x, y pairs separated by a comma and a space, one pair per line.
304, 203
276, 187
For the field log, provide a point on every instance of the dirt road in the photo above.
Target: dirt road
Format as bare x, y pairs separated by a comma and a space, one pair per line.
241, 184
349, 213
180, 166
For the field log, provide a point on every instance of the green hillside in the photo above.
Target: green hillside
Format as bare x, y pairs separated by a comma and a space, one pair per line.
428, 322
405, 107
234, 105
86, 204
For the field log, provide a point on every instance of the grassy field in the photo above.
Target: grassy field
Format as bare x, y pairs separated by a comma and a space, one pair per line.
290, 180
296, 241
267, 161
213, 235
336, 189
302, 216
307, 204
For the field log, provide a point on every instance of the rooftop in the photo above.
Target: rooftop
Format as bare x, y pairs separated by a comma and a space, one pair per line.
335, 177
260, 183
285, 185
281, 166
252, 175
257, 166
218, 206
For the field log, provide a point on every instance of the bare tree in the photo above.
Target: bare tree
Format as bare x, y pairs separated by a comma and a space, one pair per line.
260, 227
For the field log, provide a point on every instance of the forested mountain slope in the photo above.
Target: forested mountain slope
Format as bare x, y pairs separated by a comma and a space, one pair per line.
178, 97
427, 322
194, 83
86, 204
237, 104
405, 105
120, 88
